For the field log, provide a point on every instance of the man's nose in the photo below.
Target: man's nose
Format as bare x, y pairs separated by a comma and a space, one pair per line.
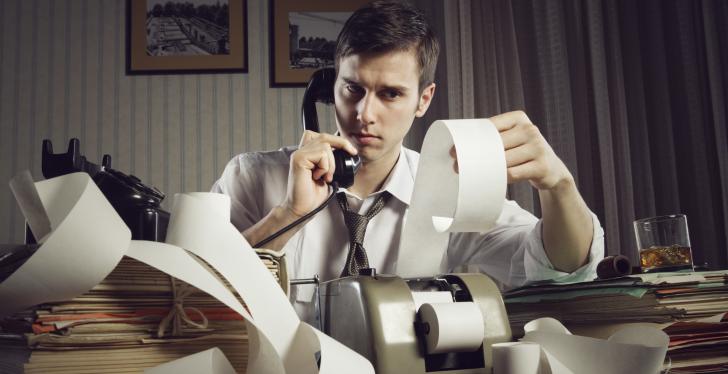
366, 109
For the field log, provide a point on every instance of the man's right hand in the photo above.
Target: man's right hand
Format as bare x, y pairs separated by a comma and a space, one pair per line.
311, 170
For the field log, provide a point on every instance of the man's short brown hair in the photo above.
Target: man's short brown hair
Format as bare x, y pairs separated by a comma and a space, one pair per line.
390, 26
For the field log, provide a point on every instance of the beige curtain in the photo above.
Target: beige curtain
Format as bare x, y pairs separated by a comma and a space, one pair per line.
631, 95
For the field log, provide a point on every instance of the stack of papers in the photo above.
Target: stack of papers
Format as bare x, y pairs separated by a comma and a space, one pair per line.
699, 346
87, 242
114, 327
691, 308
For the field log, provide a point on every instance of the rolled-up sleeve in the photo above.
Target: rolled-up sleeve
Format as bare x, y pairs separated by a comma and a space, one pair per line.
512, 252
538, 267
255, 182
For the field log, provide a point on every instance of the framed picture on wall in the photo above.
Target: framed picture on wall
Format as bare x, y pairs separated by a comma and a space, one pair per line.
178, 36
303, 37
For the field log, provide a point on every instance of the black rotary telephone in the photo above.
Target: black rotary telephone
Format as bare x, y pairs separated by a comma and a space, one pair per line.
137, 204
321, 89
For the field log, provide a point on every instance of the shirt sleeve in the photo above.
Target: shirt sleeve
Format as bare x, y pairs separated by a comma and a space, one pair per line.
512, 252
255, 182
238, 180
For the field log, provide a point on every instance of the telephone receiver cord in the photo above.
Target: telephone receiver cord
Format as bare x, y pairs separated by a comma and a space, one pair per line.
334, 187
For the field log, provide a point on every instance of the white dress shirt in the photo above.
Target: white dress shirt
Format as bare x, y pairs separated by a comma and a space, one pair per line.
511, 253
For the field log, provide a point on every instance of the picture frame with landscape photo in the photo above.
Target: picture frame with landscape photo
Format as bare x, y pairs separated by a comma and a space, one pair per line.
186, 36
303, 37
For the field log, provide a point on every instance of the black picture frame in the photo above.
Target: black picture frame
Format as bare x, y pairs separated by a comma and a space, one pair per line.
285, 71
184, 44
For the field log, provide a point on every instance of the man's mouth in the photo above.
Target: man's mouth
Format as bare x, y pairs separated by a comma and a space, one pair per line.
365, 139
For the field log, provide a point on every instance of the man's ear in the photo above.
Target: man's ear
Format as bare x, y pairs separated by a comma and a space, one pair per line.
425, 100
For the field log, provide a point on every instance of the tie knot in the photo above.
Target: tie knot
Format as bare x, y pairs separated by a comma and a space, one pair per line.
376, 207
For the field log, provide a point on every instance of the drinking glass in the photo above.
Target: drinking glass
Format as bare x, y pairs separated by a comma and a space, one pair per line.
664, 243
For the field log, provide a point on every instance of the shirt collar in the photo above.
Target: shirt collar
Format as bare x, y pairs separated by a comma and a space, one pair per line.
401, 180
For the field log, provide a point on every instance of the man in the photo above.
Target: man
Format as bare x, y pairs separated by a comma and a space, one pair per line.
385, 61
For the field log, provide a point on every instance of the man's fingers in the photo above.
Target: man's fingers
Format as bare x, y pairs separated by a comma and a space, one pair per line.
307, 137
320, 163
514, 137
337, 142
519, 155
317, 158
454, 155
334, 141
317, 149
522, 172
332, 166
508, 120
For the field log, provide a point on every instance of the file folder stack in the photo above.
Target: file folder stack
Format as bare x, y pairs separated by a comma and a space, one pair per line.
115, 327
691, 307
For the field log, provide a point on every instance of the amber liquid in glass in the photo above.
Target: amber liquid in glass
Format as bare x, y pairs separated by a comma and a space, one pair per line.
666, 258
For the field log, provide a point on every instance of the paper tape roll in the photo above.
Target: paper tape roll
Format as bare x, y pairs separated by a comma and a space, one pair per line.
444, 201
216, 203
431, 297
453, 327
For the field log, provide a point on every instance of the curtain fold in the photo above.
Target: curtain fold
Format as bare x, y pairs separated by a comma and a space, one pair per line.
716, 29
631, 95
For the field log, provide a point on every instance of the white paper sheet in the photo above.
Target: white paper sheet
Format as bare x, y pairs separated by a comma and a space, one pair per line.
180, 264
638, 349
211, 361
89, 239
516, 358
468, 201
203, 231
32, 206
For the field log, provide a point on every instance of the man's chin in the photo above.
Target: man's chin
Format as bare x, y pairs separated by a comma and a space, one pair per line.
371, 154
368, 154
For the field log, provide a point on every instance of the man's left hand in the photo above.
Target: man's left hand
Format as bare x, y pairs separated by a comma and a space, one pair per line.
528, 155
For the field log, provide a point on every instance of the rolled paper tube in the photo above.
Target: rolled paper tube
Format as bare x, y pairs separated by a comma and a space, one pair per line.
614, 266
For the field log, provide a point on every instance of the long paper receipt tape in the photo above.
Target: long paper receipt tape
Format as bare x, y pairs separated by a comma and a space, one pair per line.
88, 239
636, 349
444, 201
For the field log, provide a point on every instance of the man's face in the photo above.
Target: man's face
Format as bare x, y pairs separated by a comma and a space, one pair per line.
377, 98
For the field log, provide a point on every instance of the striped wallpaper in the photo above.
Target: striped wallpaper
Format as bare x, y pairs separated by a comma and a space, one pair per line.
62, 75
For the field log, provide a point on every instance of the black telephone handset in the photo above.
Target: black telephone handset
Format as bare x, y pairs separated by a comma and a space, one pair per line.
321, 89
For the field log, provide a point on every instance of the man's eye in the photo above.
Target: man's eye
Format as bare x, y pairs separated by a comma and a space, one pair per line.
353, 89
391, 94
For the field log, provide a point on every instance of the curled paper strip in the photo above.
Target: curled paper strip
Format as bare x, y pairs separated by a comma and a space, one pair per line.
79, 215
88, 239
637, 349
468, 201
32, 206
516, 358
211, 361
